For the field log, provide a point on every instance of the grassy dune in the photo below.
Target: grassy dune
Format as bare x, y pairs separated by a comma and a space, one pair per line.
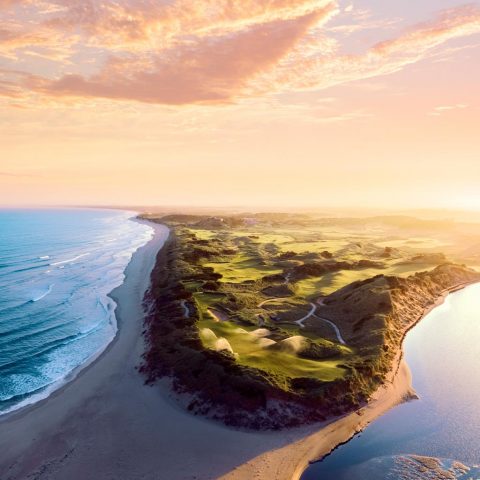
262, 293
259, 257
242, 267
256, 351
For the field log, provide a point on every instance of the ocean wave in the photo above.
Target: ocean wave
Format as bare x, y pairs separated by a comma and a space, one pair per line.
5, 313
33, 267
52, 345
70, 260
43, 294
15, 262
46, 343
34, 353
16, 401
33, 327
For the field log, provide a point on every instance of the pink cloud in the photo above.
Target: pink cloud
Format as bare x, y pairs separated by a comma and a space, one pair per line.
122, 24
8, 89
203, 51
387, 57
210, 70
9, 3
451, 23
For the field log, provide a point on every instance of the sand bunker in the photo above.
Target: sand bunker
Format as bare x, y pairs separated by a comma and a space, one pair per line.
292, 344
266, 342
223, 344
261, 332
207, 335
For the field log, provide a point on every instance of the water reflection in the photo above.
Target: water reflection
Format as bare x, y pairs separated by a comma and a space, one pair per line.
443, 352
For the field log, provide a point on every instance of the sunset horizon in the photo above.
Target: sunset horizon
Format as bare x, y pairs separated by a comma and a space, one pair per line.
285, 102
239, 239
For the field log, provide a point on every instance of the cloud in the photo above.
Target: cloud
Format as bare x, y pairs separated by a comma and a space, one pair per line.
207, 70
137, 24
387, 57
437, 111
209, 51
9, 3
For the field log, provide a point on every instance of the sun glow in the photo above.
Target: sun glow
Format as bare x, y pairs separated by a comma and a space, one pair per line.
275, 103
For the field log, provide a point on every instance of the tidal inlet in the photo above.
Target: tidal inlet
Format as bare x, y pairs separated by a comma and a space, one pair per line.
239, 240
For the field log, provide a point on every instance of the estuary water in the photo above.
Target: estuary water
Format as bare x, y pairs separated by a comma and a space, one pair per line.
57, 268
443, 353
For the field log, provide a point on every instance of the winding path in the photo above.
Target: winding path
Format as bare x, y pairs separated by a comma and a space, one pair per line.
321, 303
307, 316
311, 313
337, 331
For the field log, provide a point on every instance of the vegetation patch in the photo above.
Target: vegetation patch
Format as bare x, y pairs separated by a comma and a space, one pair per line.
265, 327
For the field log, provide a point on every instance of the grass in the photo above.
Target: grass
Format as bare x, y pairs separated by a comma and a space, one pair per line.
309, 288
241, 268
249, 352
289, 310
204, 301
276, 238
193, 286
245, 268
255, 235
256, 250
407, 269
203, 234
315, 246
416, 243
325, 285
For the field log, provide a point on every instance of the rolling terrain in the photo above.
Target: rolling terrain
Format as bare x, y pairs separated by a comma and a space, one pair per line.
271, 320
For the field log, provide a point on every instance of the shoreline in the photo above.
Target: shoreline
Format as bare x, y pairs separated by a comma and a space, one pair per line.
107, 424
290, 462
22, 423
24, 406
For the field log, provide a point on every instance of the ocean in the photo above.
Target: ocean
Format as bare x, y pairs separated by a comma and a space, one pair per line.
57, 268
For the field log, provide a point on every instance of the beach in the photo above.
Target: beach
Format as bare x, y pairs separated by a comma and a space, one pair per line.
107, 424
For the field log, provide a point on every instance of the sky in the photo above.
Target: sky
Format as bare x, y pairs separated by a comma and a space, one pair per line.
280, 103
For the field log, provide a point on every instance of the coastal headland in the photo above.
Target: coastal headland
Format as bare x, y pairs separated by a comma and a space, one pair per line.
108, 424
259, 327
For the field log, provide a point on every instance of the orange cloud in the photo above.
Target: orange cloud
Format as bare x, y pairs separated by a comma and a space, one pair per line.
211, 70
207, 51
143, 23
9, 3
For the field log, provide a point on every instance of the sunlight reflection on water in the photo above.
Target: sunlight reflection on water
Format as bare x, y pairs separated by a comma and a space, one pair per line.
443, 352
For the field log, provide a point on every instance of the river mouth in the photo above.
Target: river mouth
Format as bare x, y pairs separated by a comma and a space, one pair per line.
443, 353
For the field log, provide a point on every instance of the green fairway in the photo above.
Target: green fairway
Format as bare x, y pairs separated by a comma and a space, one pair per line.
254, 351
241, 268
204, 301
266, 277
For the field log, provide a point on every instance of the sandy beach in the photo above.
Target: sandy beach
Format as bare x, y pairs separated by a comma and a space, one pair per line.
106, 424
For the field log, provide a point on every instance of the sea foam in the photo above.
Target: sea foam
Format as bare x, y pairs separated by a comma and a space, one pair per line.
50, 329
